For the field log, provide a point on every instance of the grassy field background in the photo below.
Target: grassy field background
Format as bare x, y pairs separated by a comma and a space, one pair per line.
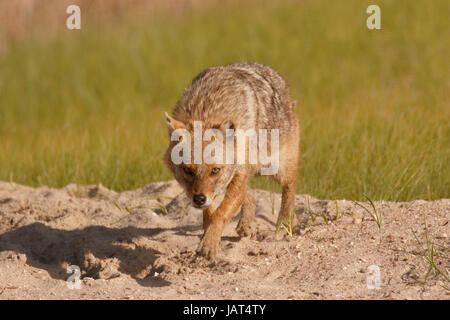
374, 105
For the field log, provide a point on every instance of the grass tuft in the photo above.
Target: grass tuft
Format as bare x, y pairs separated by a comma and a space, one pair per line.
376, 216
430, 255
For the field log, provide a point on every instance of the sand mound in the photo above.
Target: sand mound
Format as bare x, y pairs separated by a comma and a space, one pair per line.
140, 244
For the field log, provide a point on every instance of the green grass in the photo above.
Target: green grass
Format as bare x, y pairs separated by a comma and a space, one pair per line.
374, 213
431, 256
374, 106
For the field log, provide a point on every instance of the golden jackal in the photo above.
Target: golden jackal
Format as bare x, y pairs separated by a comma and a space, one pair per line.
239, 97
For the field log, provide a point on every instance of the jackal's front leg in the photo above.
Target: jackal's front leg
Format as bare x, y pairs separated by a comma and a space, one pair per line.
215, 221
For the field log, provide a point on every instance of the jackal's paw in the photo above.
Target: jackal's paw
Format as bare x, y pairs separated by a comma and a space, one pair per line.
208, 247
246, 228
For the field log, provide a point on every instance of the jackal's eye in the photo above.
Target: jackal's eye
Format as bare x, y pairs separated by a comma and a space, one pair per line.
188, 171
215, 171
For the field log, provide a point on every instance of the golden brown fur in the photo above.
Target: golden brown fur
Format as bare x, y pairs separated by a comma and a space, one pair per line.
241, 96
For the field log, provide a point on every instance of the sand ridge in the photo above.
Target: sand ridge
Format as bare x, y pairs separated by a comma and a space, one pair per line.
141, 245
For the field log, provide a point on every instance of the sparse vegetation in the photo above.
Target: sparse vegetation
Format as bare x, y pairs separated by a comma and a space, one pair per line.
309, 211
162, 206
430, 255
313, 214
336, 218
272, 201
374, 213
288, 227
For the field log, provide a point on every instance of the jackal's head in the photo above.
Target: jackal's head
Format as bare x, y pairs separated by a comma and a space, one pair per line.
206, 180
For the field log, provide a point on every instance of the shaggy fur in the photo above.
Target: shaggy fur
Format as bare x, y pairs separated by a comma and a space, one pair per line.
241, 96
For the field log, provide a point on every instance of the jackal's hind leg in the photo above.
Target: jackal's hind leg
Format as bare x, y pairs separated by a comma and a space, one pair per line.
247, 226
287, 214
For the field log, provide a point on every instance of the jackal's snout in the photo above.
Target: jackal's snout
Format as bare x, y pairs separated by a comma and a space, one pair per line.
199, 199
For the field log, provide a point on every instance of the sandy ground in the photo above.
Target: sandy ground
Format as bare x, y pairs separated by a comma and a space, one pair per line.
140, 245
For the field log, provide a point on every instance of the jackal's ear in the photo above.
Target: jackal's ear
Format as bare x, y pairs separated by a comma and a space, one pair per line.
228, 129
173, 124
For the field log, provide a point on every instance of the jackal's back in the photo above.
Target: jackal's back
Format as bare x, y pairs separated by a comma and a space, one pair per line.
251, 95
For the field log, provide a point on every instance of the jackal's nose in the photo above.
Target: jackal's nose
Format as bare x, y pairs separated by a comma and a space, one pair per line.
199, 199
